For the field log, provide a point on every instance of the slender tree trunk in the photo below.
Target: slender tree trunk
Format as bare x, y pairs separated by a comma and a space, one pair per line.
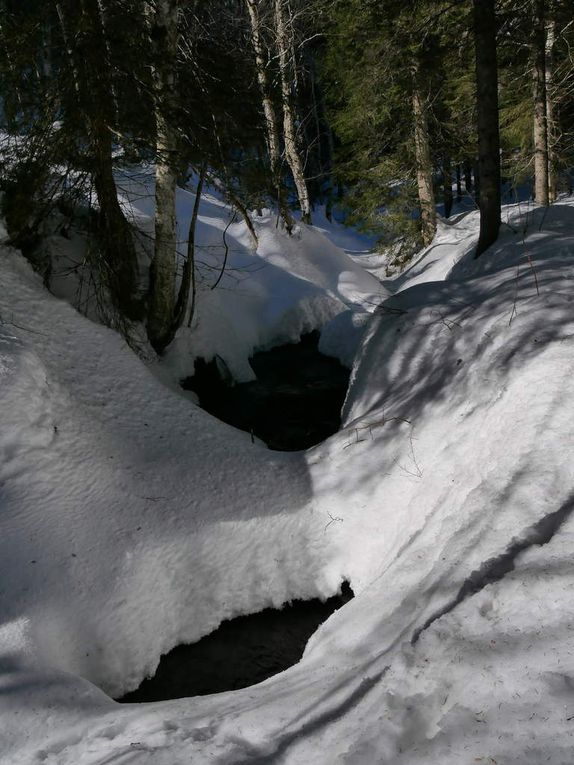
447, 186
539, 99
47, 69
468, 176
458, 184
67, 43
423, 163
488, 130
289, 130
271, 122
550, 110
164, 33
187, 286
107, 47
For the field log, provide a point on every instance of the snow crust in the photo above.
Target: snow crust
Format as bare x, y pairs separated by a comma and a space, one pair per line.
130, 520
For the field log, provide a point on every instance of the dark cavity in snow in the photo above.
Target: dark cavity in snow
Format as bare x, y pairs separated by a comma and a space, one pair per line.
241, 652
295, 402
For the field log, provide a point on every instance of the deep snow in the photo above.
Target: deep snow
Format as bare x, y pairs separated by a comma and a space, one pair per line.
131, 521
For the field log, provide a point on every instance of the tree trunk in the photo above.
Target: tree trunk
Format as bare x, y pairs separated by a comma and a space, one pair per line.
187, 287
488, 130
539, 102
289, 130
67, 43
107, 47
271, 122
164, 33
95, 101
550, 110
468, 176
458, 184
447, 186
423, 164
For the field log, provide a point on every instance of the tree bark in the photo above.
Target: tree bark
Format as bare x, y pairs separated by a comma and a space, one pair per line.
271, 122
468, 176
187, 288
539, 103
550, 109
289, 130
423, 163
484, 17
67, 43
164, 33
94, 92
447, 186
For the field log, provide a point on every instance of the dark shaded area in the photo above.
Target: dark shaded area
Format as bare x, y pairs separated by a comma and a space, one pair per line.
295, 402
241, 652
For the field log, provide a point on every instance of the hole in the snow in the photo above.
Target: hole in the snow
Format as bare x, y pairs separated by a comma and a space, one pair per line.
241, 652
295, 402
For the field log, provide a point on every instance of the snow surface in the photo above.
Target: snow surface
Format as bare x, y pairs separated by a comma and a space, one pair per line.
131, 520
268, 295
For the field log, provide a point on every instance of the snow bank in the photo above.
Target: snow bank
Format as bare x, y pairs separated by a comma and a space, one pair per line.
268, 295
131, 520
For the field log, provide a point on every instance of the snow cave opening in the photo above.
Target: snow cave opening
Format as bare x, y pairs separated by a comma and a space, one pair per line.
243, 651
294, 403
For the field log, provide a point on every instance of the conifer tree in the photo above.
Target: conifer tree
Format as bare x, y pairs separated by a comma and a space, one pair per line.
487, 122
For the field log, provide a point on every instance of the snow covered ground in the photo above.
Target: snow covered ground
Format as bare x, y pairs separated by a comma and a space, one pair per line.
131, 520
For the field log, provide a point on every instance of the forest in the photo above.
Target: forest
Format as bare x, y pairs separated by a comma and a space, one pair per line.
286, 385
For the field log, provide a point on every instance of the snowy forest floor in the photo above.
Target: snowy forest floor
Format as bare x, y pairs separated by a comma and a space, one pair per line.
131, 520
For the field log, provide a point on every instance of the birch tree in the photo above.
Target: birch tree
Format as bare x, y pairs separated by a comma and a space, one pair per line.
550, 107
540, 128
270, 115
423, 160
163, 22
286, 74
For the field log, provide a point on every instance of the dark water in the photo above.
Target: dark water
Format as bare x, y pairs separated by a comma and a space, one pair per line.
295, 402
242, 652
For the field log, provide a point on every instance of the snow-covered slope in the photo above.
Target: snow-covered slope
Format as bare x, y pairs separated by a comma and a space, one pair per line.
267, 293
131, 520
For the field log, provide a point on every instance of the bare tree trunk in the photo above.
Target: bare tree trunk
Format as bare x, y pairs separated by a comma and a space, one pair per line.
539, 99
550, 110
458, 184
468, 176
164, 33
187, 287
289, 130
95, 100
271, 122
447, 186
488, 130
108, 50
69, 49
423, 163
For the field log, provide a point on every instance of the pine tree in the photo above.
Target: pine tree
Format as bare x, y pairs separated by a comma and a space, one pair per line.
487, 122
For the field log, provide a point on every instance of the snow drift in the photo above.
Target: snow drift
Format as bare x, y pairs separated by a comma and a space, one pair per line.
131, 520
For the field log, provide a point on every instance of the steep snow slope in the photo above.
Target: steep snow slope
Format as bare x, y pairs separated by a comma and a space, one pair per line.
130, 520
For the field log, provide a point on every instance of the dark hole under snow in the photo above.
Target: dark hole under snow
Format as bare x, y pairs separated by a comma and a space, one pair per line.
241, 652
294, 403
